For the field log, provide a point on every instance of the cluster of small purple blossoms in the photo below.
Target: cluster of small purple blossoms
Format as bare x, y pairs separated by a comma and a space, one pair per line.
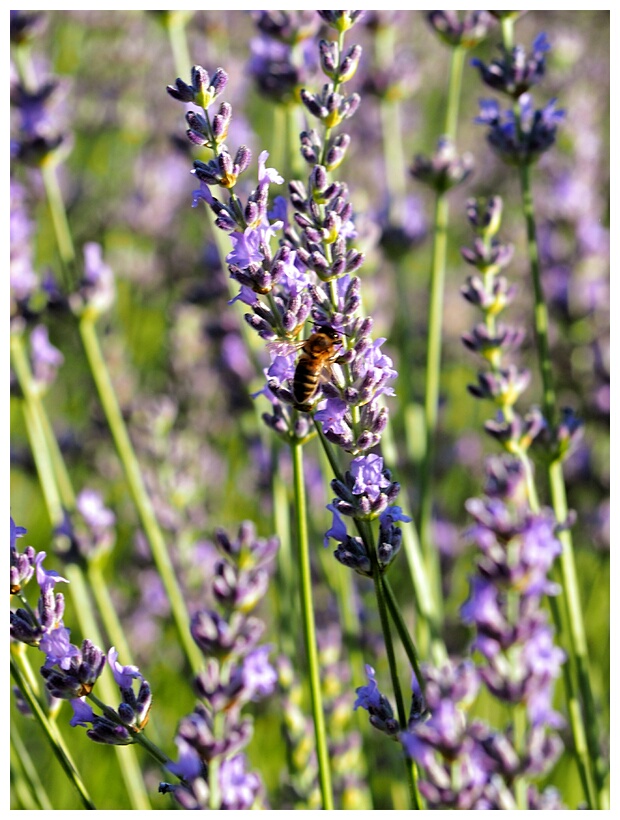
516, 72
23, 278
466, 29
444, 169
282, 57
519, 136
89, 530
501, 382
520, 661
38, 138
271, 283
309, 277
377, 705
464, 763
71, 672
237, 671
96, 289
349, 409
366, 493
490, 293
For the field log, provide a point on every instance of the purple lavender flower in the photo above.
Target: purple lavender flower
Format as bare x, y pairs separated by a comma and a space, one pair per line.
465, 29
77, 677
90, 529
236, 672
259, 676
24, 26
338, 529
123, 675
444, 169
202, 90
46, 579
89, 504
38, 135
444, 744
521, 661
367, 488
82, 712
96, 291
189, 765
197, 729
377, 705
516, 72
23, 278
46, 359
43, 627
523, 144
57, 647
22, 564
334, 416
276, 69
367, 472
239, 788
216, 635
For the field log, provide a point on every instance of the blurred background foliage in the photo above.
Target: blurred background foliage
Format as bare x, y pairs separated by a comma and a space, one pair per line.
176, 348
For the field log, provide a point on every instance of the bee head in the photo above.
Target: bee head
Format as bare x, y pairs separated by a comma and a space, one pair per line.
328, 331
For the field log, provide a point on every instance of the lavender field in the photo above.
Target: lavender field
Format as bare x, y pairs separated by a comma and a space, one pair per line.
310, 398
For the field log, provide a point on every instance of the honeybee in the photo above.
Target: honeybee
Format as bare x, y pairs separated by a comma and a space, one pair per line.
317, 353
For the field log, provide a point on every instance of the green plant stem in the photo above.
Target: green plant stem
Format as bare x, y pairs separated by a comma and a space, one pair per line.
431, 394
285, 571
175, 26
36, 433
36, 789
139, 738
294, 124
439, 654
51, 468
307, 611
366, 532
44, 441
50, 181
429, 631
519, 742
60, 222
403, 633
457, 61
140, 496
33, 680
433, 354
391, 126
570, 587
53, 736
128, 762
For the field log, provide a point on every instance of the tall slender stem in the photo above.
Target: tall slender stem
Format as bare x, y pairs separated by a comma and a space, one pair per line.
55, 740
60, 222
307, 611
365, 531
36, 791
570, 587
175, 25
138, 490
433, 355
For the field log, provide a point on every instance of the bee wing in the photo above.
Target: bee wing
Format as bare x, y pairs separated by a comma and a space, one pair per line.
282, 347
331, 372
